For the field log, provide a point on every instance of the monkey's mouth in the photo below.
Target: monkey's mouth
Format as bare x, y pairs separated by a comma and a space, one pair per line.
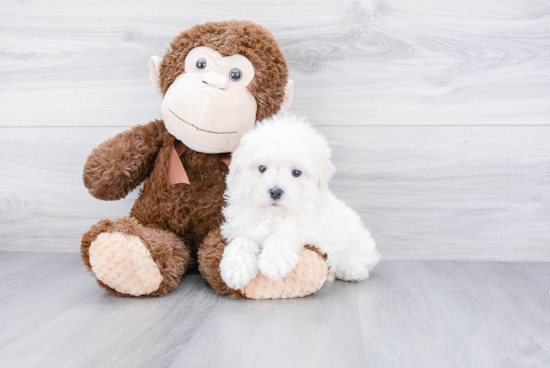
196, 127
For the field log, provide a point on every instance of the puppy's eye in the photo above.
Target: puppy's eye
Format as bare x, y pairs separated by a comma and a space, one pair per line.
235, 75
262, 168
296, 173
201, 64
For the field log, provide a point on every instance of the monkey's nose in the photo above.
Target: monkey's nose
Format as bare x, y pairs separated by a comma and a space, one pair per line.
276, 193
215, 79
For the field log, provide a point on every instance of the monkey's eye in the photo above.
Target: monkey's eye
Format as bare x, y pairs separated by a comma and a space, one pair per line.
235, 75
262, 168
201, 64
296, 173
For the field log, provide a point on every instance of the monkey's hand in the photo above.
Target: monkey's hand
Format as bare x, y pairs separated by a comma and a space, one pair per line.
120, 164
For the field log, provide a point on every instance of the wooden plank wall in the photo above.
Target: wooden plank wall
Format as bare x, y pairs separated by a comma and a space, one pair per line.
438, 112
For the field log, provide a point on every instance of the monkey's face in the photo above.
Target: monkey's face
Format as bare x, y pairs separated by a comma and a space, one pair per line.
208, 107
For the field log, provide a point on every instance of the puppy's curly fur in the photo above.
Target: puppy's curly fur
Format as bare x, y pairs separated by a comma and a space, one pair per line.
278, 200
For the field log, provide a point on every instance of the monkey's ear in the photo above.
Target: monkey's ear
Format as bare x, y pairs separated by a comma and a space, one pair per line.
289, 93
154, 72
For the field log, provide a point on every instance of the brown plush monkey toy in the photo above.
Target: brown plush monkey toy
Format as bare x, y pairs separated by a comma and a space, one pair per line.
217, 80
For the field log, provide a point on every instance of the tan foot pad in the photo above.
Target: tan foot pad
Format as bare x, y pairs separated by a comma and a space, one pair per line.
309, 276
124, 263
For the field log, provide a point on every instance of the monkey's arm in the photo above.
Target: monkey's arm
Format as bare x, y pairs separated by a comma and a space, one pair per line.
120, 164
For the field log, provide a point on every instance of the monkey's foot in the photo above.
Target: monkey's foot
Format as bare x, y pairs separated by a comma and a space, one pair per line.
124, 263
309, 275
129, 259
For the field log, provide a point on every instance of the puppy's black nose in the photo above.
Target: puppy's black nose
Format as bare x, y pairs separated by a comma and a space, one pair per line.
276, 193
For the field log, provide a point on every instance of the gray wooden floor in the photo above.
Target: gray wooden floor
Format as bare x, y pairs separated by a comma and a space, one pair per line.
409, 314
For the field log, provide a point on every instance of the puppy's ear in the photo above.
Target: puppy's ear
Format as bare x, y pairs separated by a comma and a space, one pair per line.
326, 172
235, 165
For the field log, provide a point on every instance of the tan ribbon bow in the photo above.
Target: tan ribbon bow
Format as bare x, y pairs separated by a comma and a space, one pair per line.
175, 172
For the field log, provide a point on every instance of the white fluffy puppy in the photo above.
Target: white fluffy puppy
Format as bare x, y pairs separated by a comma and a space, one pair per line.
278, 200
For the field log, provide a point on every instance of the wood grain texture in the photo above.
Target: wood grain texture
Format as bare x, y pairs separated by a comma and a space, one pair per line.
387, 62
469, 193
408, 314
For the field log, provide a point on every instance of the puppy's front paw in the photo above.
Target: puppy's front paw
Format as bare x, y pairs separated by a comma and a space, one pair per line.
239, 262
238, 269
278, 262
